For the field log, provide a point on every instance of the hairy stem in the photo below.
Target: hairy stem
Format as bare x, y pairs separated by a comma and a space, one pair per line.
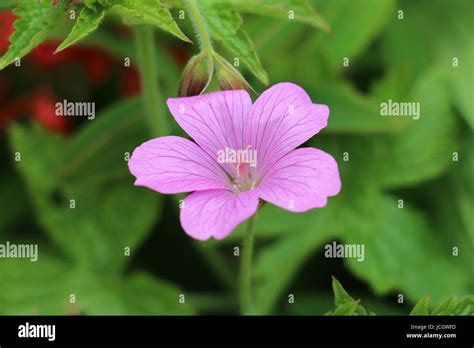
147, 65
200, 26
246, 269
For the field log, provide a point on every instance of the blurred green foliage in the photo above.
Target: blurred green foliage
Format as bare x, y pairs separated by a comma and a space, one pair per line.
382, 160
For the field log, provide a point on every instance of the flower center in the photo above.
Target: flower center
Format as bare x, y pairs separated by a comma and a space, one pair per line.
240, 165
243, 179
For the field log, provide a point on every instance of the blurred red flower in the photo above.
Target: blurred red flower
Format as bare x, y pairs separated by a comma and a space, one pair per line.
40, 105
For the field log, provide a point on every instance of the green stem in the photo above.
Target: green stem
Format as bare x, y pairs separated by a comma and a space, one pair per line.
246, 269
147, 65
200, 26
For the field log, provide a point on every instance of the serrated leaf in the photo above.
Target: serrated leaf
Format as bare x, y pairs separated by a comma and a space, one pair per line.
421, 308
225, 26
446, 307
87, 22
319, 303
465, 306
150, 12
95, 5
340, 294
342, 298
35, 22
298, 10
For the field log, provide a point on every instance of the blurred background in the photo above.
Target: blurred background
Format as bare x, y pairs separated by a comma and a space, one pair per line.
407, 184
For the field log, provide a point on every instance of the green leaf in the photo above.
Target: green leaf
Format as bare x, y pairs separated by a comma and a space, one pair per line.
398, 242
44, 287
98, 151
418, 41
278, 262
37, 168
36, 21
135, 294
298, 10
104, 219
18, 207
452, 218
353, 33
421, 308
35, 288
340, 294
454, 42
353, 113
5, 4
452, 305
150, 12
356, 24
104, 222
437, 129
320, 303
465, 306
134, 11
145, 295
87, 22
460, 86
342, 300
463, 186
225, 26
348, 308
446, 307
398, 159
272, 222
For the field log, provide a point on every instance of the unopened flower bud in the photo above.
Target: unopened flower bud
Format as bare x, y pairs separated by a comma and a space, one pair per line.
196, 75
229, 77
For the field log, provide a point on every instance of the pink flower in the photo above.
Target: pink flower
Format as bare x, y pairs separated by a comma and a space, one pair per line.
242, 152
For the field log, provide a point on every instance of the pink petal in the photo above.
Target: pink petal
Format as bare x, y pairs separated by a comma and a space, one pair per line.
214, 120
173, 165
216, 213
301, 180
281, 119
